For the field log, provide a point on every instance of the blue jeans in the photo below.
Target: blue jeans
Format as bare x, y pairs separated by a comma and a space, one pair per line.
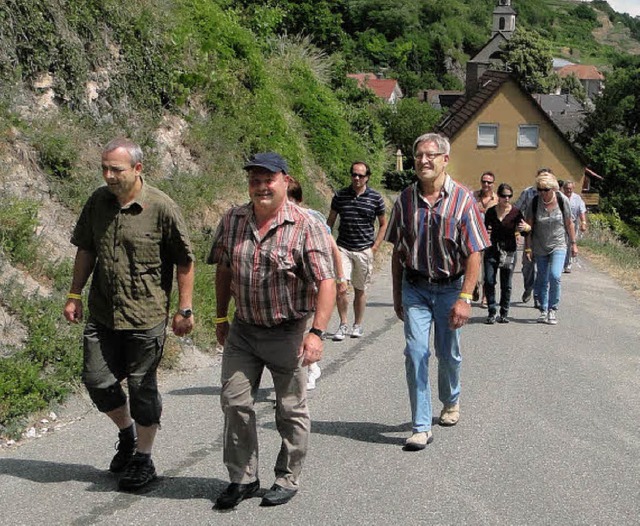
424, 304
547, 287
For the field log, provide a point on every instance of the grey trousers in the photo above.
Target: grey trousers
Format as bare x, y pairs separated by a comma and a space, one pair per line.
247, 351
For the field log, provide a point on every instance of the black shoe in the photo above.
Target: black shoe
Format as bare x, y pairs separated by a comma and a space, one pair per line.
126, 447
502, 319
235, 493
139, 473
526, 296
277, 495
491, 319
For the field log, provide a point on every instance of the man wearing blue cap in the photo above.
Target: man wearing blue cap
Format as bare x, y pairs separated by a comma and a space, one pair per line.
275, 260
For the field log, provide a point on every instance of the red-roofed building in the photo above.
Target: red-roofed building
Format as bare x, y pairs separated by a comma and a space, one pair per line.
589, 77
387, 89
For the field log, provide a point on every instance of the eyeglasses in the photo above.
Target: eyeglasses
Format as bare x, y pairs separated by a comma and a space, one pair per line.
505, 196
355, 175
543, 189
486, 182
429, 155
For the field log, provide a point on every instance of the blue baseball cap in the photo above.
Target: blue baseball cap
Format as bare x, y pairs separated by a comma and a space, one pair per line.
269, 160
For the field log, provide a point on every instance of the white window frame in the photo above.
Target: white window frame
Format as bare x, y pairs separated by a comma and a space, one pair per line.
524, 140
482, 141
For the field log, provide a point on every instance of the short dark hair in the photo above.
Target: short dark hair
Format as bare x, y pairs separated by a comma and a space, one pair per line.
488, 173
503, 187
367, 173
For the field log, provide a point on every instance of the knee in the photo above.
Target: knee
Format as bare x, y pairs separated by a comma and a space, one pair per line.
145, 401
106, 399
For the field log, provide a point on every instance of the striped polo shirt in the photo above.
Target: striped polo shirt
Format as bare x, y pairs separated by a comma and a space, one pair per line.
358, 215
436, 240
273, 278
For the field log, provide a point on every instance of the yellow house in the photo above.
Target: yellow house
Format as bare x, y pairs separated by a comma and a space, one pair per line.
501, 128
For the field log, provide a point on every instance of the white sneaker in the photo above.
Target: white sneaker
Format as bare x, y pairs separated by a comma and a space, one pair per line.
341, 333
542, 318
356, 332
311, 382
313, 373
552, 319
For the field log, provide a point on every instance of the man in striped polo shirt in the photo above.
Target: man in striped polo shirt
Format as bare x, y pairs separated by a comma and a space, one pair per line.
438, 237
358, 207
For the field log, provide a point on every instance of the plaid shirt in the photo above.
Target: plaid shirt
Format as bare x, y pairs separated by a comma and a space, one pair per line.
436, 240
274, 278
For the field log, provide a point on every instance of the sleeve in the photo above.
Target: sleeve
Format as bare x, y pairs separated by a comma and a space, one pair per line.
218, 252
380, 206
474, 236
318, 257
392, 235
82, 236
177, 237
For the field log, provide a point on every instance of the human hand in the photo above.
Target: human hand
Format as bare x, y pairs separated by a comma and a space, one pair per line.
311, 349
182, 326
73, 310
222, 331
459, 314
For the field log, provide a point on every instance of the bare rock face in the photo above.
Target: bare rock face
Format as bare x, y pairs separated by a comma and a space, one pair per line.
174, 156
12, 334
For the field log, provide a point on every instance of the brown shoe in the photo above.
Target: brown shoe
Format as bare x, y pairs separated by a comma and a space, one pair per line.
450, 415
418, 441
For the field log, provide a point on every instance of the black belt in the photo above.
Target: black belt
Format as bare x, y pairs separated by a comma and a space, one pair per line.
414, 276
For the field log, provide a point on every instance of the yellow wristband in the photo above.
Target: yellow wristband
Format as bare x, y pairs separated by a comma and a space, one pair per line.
224, 319
73, 296
465, 296
528, 250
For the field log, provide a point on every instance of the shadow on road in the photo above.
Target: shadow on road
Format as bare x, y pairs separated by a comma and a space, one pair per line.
46, 472
362, 431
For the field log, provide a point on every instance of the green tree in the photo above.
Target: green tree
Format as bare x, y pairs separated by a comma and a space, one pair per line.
405, 121
529, 57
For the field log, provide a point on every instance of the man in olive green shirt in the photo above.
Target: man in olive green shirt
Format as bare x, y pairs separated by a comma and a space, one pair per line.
130, 236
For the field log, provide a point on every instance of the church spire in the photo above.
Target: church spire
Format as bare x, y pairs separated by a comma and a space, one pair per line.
504, 19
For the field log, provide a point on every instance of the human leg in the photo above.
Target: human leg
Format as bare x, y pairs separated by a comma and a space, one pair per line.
557, 258
240, 379
447, 345
490, 268
280, 353
360, 279
528, 277
417, 325
542, 282
506, 275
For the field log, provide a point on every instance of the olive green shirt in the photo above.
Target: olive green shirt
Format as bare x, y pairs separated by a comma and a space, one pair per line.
136, 248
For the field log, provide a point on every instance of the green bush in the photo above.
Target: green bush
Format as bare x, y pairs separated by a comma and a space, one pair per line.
398, 180
613, 222
18, 222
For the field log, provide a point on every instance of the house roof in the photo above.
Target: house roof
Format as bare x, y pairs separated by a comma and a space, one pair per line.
581, 71
441, 99
565, 110
383, 88
465, 108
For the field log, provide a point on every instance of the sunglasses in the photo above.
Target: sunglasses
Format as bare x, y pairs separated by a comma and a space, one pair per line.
354, 175
486, 182
543, 189
506, 196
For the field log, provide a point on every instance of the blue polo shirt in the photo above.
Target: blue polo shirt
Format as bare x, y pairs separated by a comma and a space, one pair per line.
358, 215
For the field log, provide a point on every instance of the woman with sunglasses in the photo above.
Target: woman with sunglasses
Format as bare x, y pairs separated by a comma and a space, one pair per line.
502, 221
550, 219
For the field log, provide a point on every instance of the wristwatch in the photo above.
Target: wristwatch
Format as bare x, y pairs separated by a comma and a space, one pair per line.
466, 300
317, 332
185, 313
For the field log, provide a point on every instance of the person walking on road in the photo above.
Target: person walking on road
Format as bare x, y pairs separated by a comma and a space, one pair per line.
551, 224
438, 237
486, 199
130, 236
358, 206
578, 216
294, 193
274, 259
502, 222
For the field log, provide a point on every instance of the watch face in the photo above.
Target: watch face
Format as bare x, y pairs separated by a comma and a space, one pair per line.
186, 312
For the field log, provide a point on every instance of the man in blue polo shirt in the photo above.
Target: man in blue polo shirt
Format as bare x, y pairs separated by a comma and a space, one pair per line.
358, 207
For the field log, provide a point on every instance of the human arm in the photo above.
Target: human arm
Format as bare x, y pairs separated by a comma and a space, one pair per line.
341, 280
223, 297
82, 269
462, 309
311, 349
571, 233
583, 221
331, 220
382, 228
396, 282
182, 326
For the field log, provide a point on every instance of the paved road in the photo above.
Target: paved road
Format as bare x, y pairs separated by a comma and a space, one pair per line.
549, 433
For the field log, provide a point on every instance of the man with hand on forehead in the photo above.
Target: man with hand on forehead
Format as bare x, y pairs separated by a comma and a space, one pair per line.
275, 261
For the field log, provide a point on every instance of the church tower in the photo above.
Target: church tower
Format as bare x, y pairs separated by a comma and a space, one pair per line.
504, 19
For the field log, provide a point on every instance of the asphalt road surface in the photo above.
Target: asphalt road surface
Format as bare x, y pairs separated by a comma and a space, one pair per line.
549, 433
